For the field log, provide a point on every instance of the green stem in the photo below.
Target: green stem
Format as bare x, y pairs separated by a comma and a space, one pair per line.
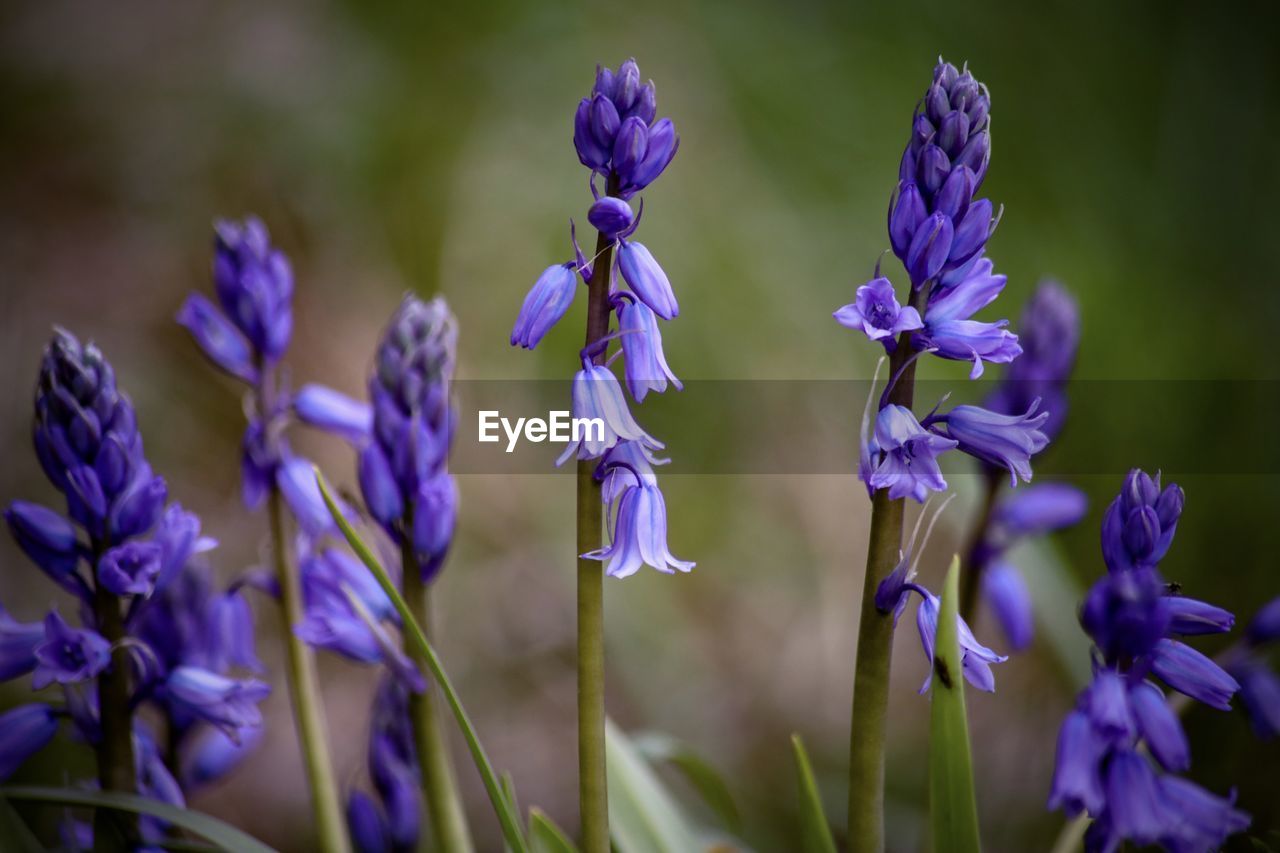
593, 789
304, 692
439, 783
493, 787
113, 830
867, 722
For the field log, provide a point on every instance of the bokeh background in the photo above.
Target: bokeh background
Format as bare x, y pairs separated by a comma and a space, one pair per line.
401, 146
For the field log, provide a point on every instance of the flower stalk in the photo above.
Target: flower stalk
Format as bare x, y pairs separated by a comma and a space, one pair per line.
439, 782
114, 830
593, 793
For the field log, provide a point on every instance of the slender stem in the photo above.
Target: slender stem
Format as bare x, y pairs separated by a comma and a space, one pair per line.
593, 791
304, 692
114, 830
875, 638
439, 783
976, 562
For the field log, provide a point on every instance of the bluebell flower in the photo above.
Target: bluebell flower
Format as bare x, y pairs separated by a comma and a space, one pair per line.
46, 537
1160, 727
1191, 672
214, 754
611, 217
1038, 509
646, 279
627, 464
950, 333
131, 568
18, 641
1010, 600
1125, 615
975, 658
903, 456
1200, 820
1139, 525
1005, 441
1049, 334
1259, 694
639, 535
614, 130
1265, 625
334, 412
24, 731
548, 300
1077, 779
1190, 617
254, 283
876, 313
228, 703
368, 826
218, 337
68, 655
598, 396
645, 366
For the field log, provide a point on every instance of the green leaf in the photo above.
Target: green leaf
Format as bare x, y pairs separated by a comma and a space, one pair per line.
953, 810
659, 747
15, 835
643, 815
211, 829
507, 817
545, 836
814, 827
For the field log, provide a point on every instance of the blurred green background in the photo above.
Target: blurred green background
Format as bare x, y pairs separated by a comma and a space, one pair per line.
412, 146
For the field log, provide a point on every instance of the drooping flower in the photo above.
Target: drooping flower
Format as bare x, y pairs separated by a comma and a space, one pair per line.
646, 366
228, 703
1049, 334
646, 279
24, 731
876, 313
599, 405
950, 333
1005, 590
1006, 441
903, 455
548, 300
975, 658
639, 536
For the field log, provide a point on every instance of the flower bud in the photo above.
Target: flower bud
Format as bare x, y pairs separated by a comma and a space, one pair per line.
629, 148
646, 279
611, 216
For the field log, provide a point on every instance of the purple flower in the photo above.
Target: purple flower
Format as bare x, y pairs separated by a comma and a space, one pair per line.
220, 340
1260, 695
646, 279
903, 456
1160, 727
548, 300
950, 333
368, 826
1201, 820
46, 537
131, 568
1138, 526
1190, 617
611, 217
876, 313
1041, 508
68, 655
1188, 671
18, 641
1125, 615
639, 535
24, 731
646, 366
660, 146
623, 464
597, 396
333, 411
227, 703
214, 754
254, 284
1005, 590
975, 658
1265, 625
1049, 334
1007, 441
1136, 809
1077, 781
435, 515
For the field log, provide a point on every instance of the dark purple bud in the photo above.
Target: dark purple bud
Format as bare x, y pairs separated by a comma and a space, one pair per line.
45, 536
139, 508
604, 82
296, 479
905, 216
611, 216
435, 512
975, 154
929, 248
945, 74
1160, 728
629, 148
964, 91
646, 279
974, 228
18, 641
220, 340
131, 568
953, 199
1107, 703
1141, 530
68, 655
367, 826
1124, 613
24, 731
646, 105
379, 487
933, 168
604, 121
254, 283
1260, 695
953, 132
892, 590
922, 131
334, 412
936, 104
85, 499
1169, 505
626, 85
1265, 626
112, 465
1190, 617
661, 148
591, 153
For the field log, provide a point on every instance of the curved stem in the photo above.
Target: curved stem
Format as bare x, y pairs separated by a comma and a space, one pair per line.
439, 783
113, 830
875, 636
304, 692
593, 793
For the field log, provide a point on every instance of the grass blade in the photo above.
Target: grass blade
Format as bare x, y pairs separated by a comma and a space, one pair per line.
545, 836
815, 829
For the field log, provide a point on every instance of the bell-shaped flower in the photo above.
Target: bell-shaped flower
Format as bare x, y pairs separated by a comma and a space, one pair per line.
1006, 592
1039, 509
214, 754
18, 641
903, 456
1005, 441
622, 464
228, 703
68, 655
876, 313
639, 536
646, 279
950, 333
1191, 672
1160, 727
546, 302
975, 658
602, 413
1190, 617
611, 216
332, 411
218, 337
645, 366
1077, 780
1124, 613
131, 568
45, 536
24, 731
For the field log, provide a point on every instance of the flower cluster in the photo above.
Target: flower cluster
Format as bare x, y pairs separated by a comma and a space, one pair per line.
1134, 619
393, 820
246, 334
150, 618
939, 231
1259, 682
618, 139
1049, 335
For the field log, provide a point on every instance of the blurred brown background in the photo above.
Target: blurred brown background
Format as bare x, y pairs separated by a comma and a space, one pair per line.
400, 145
